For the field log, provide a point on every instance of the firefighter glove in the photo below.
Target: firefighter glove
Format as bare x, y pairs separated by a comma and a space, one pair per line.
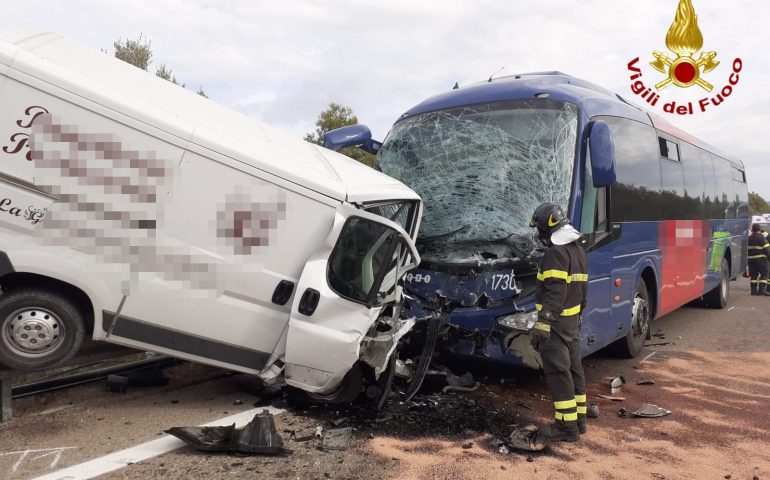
541, 331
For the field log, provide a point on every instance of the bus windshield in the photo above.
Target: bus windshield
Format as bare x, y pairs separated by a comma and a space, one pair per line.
483, 169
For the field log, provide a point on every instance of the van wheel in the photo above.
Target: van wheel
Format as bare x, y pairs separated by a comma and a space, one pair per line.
718, 296
641, 316
39, 329
347, 391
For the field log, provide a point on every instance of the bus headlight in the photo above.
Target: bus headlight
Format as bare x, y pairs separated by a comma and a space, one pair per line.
519, 321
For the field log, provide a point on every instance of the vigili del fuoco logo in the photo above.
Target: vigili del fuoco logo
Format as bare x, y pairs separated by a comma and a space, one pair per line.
683, 69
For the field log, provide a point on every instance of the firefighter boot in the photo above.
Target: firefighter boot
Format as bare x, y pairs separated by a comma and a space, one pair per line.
754, 287
763, 289
561, 431
582, 423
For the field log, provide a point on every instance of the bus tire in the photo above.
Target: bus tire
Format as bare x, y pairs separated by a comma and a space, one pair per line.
718, 296
632, 344
39, 329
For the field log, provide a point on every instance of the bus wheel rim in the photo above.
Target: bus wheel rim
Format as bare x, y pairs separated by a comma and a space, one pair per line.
640, 319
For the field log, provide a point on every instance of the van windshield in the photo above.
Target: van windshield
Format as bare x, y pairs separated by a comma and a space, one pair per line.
481, 170
368, 260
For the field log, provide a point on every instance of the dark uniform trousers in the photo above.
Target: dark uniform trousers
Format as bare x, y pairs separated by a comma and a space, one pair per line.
562, 286
759, 268
563, 368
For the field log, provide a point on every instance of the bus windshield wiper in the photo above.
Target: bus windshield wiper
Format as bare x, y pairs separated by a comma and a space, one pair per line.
433, 238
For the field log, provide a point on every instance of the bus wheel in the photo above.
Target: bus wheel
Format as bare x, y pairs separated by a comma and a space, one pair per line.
717, 297
631, 345
39, 329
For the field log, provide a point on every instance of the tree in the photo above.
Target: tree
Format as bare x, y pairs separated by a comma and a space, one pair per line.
139, 54
757, 204
336, 116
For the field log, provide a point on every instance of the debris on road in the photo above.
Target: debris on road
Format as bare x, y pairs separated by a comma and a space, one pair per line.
592, 410
649, 410
339, 421
659, 344
257, 436
528, 438
645, 381
616, 383
337, 439
614, 398
319, 432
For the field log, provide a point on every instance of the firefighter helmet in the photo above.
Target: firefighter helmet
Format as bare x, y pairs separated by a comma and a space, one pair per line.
548, 218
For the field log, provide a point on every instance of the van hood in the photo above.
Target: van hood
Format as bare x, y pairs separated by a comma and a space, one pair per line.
363, 183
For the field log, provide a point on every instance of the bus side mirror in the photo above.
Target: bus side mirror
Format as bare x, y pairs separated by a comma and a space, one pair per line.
602, 147
351, 136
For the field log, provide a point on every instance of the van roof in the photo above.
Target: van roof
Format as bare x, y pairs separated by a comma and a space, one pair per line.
191, 118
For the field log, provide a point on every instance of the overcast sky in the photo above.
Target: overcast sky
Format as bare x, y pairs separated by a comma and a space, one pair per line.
284, 61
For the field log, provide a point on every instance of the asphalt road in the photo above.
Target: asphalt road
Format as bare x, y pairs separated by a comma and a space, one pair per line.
713, 373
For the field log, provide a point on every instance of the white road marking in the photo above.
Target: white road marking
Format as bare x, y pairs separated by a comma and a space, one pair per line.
57, 451
730, 308
144, 451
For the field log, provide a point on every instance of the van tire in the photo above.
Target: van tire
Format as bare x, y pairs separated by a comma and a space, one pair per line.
39, 329
719, 295
632, 344
347, 391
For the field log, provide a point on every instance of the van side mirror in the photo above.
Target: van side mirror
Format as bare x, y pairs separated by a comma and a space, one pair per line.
351, 136
602, 147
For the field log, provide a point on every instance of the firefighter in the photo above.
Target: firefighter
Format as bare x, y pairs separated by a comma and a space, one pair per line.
759, 261
562, 281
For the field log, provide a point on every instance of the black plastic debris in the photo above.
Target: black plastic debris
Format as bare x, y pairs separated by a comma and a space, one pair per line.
336, 439
528, 438
592, 410
339, 421
645, 381
623, 413
149, 377
648, 410
257, 436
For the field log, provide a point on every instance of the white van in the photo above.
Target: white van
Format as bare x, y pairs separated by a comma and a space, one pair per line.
142, 214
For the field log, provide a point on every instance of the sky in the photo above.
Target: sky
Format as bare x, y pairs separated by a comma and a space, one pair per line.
283, 62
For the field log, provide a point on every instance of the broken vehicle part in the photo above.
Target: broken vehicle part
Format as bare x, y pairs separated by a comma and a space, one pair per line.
450, 388
257, 436
645, 381
423, 363
336, 439
612, 397
592, 410
649, 410
615, 385
528, 438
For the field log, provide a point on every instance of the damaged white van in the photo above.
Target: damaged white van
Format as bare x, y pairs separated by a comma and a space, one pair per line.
140, 213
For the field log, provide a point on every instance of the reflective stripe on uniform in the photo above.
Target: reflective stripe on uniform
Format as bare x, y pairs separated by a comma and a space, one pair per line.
567, 417
751, 257
581, 398
565, 404
564, 313
754, 247
560, 274
542, 326
582, 410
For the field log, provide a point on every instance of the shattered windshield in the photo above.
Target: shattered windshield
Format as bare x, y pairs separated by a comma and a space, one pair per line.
482, 169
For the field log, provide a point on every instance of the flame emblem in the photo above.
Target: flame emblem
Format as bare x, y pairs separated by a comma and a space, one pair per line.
684, 38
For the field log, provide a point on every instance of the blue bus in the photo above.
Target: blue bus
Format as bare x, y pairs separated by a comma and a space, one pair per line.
665, 216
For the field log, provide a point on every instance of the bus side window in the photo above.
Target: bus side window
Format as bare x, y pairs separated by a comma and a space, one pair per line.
593, 218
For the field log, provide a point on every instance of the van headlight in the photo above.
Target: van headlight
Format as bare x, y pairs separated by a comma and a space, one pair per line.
519, 321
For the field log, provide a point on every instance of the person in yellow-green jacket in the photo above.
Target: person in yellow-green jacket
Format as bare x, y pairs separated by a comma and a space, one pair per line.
562, 282
759, 261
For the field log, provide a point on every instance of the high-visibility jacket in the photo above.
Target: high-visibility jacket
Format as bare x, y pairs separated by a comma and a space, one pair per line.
562, 280
759, 248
